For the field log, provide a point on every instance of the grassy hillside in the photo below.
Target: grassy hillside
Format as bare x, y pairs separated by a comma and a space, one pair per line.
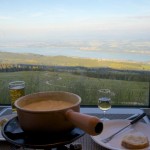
15, 58
126, 92
128, 88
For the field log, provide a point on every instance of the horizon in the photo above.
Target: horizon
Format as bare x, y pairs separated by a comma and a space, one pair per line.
98, 28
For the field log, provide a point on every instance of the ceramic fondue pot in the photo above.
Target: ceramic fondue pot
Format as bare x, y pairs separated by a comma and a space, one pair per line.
55, 120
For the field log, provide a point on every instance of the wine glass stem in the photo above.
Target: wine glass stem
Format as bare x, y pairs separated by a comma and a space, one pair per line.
104, 114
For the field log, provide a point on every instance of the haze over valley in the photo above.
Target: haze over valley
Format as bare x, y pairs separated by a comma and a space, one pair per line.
119, 50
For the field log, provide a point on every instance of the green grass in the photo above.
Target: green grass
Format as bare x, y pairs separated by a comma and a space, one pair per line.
126, 92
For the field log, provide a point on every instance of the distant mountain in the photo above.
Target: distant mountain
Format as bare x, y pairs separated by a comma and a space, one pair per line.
27, 58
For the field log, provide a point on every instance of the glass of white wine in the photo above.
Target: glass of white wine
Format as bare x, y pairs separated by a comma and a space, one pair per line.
104, 101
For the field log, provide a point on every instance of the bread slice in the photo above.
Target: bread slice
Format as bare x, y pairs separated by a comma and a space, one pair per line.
135, 141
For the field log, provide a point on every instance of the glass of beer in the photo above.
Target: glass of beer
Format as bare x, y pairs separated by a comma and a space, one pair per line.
16, 90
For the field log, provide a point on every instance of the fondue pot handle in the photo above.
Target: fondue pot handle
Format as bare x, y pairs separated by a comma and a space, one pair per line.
90, 124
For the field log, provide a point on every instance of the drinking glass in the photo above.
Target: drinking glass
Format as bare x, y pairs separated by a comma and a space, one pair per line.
16, 90
104, 101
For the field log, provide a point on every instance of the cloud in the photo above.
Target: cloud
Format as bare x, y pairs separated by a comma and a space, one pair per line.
5, 17
37, 14
141, 17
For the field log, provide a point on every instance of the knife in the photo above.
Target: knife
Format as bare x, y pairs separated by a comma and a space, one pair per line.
138, 118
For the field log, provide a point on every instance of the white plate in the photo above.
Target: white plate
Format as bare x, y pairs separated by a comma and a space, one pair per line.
7, 117
112, 126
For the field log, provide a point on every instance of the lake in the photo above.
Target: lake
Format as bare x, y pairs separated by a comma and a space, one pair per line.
75, 52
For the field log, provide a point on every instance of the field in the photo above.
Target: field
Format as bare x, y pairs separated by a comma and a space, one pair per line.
7, 59
126, 92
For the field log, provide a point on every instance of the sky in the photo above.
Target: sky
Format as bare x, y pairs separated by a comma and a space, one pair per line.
52, 19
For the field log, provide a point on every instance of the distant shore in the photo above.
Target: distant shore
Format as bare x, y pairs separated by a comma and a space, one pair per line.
35, 59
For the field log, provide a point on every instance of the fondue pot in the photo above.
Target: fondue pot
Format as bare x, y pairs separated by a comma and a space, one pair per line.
57, 120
